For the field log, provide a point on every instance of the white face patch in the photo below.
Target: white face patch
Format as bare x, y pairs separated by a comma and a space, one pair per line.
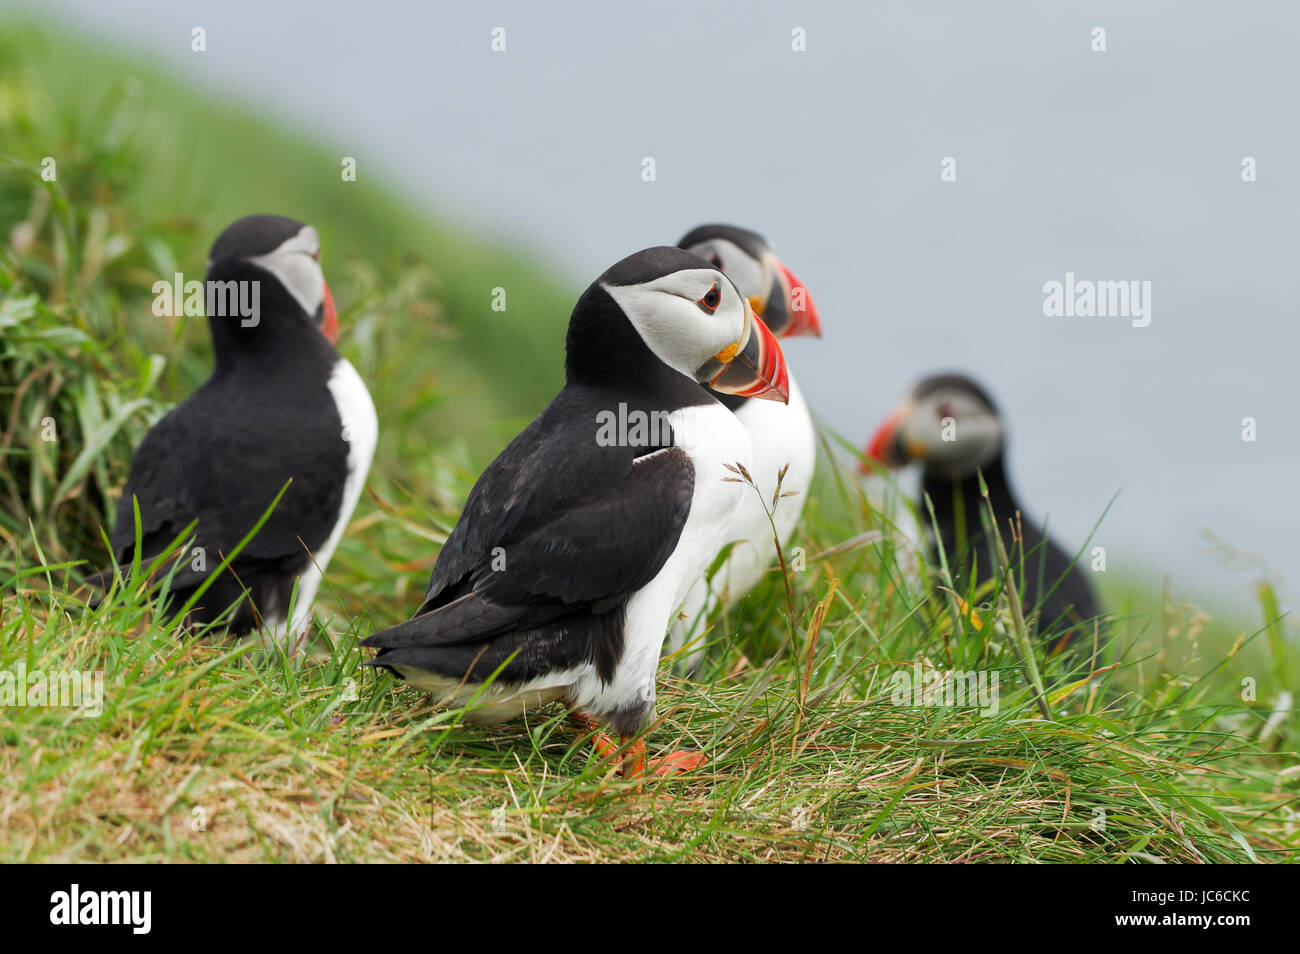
294, 264
667, 315
748, 274
956, 429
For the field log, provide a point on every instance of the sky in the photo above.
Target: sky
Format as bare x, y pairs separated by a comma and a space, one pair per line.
1117, 165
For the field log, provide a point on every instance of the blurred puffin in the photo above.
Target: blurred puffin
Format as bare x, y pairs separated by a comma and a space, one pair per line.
951, 425
782, 435
281, 404
578, 543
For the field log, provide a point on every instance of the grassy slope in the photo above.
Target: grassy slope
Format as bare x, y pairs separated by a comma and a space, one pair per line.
204, 753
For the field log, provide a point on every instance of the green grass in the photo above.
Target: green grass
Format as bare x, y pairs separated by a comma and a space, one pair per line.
208, 752
809, 757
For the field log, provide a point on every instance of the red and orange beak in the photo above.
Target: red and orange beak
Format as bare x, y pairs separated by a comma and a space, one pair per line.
887, 446
803, 313
329, 324
754, 365
789, 310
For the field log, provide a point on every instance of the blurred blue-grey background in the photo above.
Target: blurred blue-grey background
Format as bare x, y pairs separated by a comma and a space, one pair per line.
1117, 165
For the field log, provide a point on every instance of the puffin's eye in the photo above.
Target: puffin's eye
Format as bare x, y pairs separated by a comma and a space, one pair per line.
712, 298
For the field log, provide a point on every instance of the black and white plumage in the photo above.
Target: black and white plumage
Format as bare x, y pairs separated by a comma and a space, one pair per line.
951, 425
782, 435
574, 549
281, 404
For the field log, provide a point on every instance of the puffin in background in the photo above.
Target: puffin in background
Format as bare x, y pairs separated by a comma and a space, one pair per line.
281, 404
578, 543
782, 435
951, 425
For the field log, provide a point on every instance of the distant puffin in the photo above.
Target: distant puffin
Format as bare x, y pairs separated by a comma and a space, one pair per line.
280, 404
578, 543
782, 435
951, 425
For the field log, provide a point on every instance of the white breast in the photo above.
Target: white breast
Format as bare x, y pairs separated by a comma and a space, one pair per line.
361, 431
781, 434
714, 438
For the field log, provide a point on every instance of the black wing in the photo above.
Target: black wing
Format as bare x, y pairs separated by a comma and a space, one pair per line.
1054, 586
558, 526
220, 458
1059, 592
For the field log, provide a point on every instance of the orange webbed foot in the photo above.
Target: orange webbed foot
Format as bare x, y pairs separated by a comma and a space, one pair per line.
606, 748
676, 763
633, 762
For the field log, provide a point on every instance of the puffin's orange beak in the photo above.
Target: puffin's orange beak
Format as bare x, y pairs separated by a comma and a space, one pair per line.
755, 366
803, 313
883, 448
329, 325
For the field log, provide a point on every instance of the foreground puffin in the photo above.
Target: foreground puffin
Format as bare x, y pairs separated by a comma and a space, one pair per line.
782, 435
950, 424
578, 543
280, 405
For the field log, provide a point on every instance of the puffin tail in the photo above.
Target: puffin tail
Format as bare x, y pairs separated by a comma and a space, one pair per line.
403, 635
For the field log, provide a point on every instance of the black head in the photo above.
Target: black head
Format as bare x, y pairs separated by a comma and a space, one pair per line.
751, 243
647, 265
664, 308
255, 235
775, 294
947, 421
271, 262
956, 383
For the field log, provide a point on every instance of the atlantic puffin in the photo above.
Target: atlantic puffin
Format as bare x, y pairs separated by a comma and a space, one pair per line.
578, 543
281, 405
952, 427
782, 435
